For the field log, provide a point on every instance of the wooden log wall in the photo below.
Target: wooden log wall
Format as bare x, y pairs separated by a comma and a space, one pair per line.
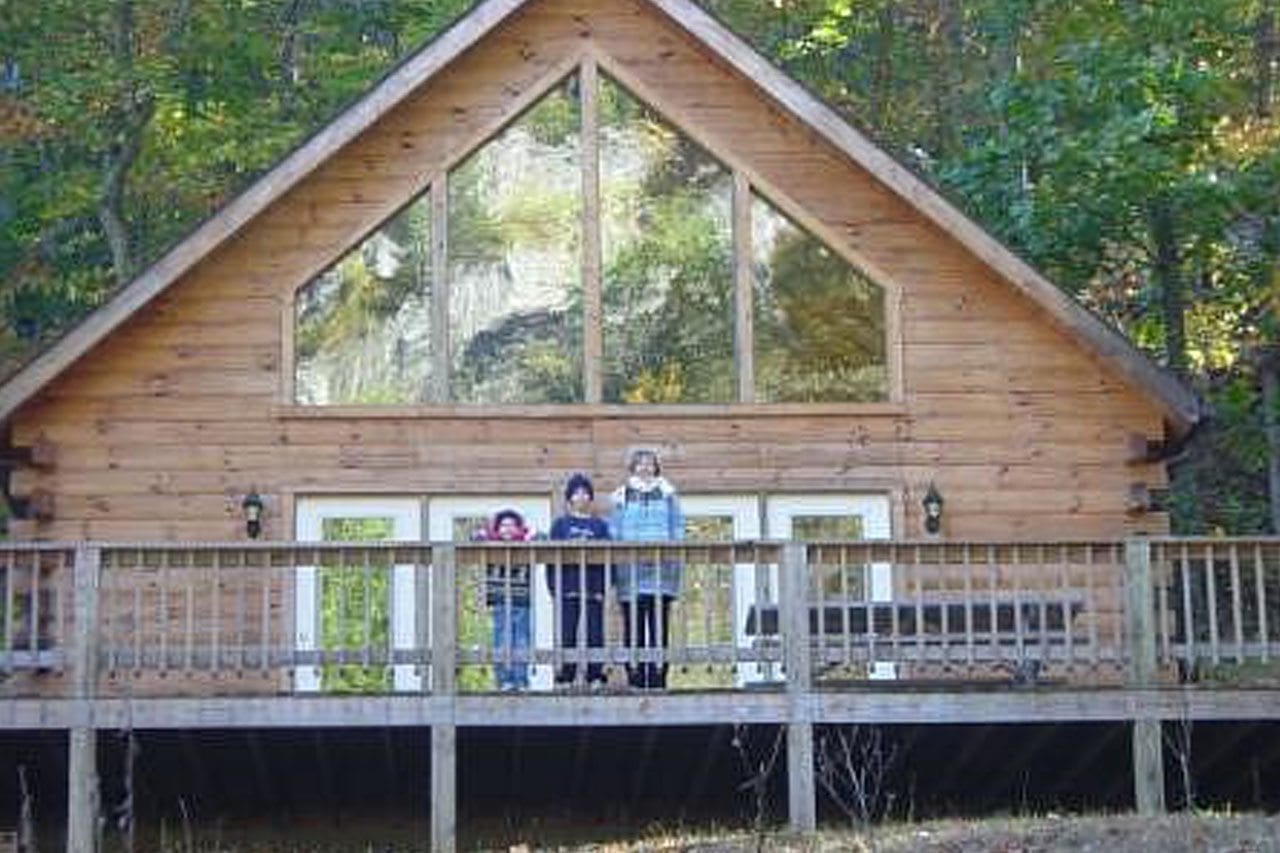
163, 428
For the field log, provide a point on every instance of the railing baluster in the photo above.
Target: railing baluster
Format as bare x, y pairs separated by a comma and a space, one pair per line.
993, 611
264, 636
136, 621
846, 608
1120, 595
710, 601
943, 587
1160, 575
189, 628
242, 609
366, 617
162, 611
918, 578
1211, 591
61, 597
215, 616
1065, 590
33, 621
1019, 627
1259, 571
558, 616
1188, 617
10, 608
967, 557
1042, 604
1237, 603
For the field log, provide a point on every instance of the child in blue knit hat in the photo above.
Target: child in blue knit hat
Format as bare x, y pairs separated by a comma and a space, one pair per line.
580, 583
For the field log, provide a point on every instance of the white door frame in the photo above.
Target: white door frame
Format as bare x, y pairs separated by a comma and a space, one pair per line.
536, 509
874, 509
405, 514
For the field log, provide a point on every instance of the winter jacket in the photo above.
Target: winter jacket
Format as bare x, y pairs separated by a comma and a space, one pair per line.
507, 576
578, 528
647, 514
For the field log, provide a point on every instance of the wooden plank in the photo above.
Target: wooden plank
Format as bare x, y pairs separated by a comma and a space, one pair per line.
801, 782
744, 288
940, 706
438, 383
592, 262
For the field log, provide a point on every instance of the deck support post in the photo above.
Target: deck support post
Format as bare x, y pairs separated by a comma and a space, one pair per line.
82, 763
444, 734
797, 658
1140, 632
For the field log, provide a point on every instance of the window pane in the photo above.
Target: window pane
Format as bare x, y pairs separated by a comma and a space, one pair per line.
515, 272
819, 322
667, 246
815, 528
838, 578
355, 606
363, 327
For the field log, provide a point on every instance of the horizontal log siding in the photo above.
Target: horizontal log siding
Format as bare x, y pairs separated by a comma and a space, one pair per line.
162, 428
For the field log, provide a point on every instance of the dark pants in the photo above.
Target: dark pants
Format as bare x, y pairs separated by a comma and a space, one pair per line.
571, 612
647, 674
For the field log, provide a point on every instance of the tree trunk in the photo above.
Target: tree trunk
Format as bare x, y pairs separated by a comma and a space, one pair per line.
133, 115
949, 38
1269, 374
290, 55
111, 196
1168, 281
882, 73
1267, 56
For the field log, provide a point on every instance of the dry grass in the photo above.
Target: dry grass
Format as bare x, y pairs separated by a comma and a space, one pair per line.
1202, 833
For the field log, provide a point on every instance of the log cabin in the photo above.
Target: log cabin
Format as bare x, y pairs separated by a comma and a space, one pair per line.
563, 230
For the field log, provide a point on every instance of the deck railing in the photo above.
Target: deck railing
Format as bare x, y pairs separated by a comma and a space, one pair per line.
282, 618
1218, 607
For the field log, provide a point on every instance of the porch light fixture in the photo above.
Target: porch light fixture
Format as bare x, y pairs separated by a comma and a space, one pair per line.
932, 504
252, 506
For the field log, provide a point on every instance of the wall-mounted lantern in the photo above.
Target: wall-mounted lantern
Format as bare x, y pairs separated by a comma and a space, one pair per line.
253, 507
932, 504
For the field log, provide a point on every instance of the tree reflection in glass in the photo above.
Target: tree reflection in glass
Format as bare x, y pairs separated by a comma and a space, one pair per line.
515, 271
819, 322
667, 250
363, 326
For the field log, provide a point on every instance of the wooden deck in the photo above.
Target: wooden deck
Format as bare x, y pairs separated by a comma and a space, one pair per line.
163, 636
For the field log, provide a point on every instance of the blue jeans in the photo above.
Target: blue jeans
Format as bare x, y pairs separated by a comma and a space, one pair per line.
511, 633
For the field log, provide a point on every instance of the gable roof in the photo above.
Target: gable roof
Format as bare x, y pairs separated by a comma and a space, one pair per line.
1181, 407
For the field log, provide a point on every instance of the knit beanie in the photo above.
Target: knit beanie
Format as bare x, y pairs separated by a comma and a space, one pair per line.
508, 513
576, 482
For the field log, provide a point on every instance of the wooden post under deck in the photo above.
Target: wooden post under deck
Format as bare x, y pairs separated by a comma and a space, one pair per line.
801, 793
82, 764
444, 736
1148, 748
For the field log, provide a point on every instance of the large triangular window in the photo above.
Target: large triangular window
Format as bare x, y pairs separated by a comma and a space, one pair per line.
590, 252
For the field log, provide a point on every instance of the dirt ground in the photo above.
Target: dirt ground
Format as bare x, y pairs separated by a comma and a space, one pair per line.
1206, 833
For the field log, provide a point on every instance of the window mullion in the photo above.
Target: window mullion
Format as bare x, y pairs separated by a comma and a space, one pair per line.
592, 333
438, 385
744, 331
